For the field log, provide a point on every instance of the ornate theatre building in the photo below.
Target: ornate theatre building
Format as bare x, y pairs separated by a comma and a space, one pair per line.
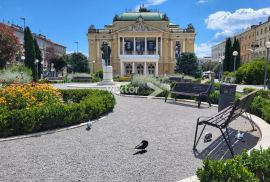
143, 42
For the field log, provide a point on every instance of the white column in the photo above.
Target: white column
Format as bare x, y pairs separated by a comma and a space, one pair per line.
123, 45
133, 67
98, 48
118, 46
184, 46
145, 45
171, 49
161, 46
156, 45
144, 69
156, 72
134, 44
122, 68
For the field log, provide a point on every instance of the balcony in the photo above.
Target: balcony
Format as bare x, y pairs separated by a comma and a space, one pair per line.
144, 56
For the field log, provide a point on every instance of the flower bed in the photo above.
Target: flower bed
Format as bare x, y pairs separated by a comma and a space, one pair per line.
48, 108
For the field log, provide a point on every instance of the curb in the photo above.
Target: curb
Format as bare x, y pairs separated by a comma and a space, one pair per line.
49, 131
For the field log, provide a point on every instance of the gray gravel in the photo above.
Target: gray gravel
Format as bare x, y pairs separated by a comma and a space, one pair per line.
105, 153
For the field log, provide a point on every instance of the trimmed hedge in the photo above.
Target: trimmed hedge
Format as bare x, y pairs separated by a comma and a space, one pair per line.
78, 106
261, 105
244, 167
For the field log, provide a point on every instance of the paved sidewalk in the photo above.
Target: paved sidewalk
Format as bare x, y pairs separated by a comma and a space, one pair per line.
106, 152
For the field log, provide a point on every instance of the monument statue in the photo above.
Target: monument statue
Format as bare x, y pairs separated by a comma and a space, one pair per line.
106, 53
107, 68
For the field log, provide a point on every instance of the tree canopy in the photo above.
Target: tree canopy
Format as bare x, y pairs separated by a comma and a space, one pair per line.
187, 63
58, 63
8, 45
78, 62
228, 64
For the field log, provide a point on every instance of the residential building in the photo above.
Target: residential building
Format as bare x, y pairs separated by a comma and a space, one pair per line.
143, 42
247, 39
45, 45
263, 36
218, 50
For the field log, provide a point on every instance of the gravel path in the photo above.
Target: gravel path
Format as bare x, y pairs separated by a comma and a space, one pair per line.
105, 153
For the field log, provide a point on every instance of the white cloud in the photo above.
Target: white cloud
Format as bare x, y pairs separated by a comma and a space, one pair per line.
204, 49
150, 3
202, 1
227, 23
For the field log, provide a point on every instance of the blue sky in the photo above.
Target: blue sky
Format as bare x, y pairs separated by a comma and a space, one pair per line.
67, 21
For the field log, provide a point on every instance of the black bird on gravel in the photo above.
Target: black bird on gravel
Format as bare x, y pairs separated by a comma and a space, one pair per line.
142, 145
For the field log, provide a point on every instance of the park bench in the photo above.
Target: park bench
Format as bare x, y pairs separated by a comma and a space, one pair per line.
222, 119
179, 79
55, 79
81, 79
200, 91
176, 79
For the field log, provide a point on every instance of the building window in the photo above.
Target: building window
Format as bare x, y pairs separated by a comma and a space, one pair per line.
151, 69
128, 69
140, 69
261, 31
140, 43
265, 30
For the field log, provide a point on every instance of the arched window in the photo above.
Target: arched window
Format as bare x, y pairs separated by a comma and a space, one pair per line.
151, 69
128, 69
140, 69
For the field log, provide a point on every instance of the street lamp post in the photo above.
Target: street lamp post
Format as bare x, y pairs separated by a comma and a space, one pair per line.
221, 67
23, 19
267, 45
235, 53
93, 66
77, 44
42, 63
36, 63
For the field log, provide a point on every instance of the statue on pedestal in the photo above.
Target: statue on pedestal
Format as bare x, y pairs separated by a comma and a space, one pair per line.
106, 53
107, 68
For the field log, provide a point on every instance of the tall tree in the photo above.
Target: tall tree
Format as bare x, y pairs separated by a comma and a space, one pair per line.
8, 45
59, 63
228, 55
78, 62
187, 63
39, 57
29, 48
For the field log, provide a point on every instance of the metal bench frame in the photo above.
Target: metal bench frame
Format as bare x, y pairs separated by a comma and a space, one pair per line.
197, 90
222, 119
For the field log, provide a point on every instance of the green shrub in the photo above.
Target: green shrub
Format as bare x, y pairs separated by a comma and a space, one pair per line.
217, 86
252, 72
78, 106
16, 74
99, 74
223, 171
244, 167
214, 96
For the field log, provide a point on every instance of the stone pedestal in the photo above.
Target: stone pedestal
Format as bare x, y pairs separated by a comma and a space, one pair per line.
107, 76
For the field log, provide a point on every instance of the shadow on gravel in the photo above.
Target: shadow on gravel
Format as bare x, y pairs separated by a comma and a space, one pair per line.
218, 149
140, 152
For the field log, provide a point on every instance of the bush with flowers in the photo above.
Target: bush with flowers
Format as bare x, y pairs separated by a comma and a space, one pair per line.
27, 108
21, 96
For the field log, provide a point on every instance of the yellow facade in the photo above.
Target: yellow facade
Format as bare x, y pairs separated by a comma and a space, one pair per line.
141, 42
247, 39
